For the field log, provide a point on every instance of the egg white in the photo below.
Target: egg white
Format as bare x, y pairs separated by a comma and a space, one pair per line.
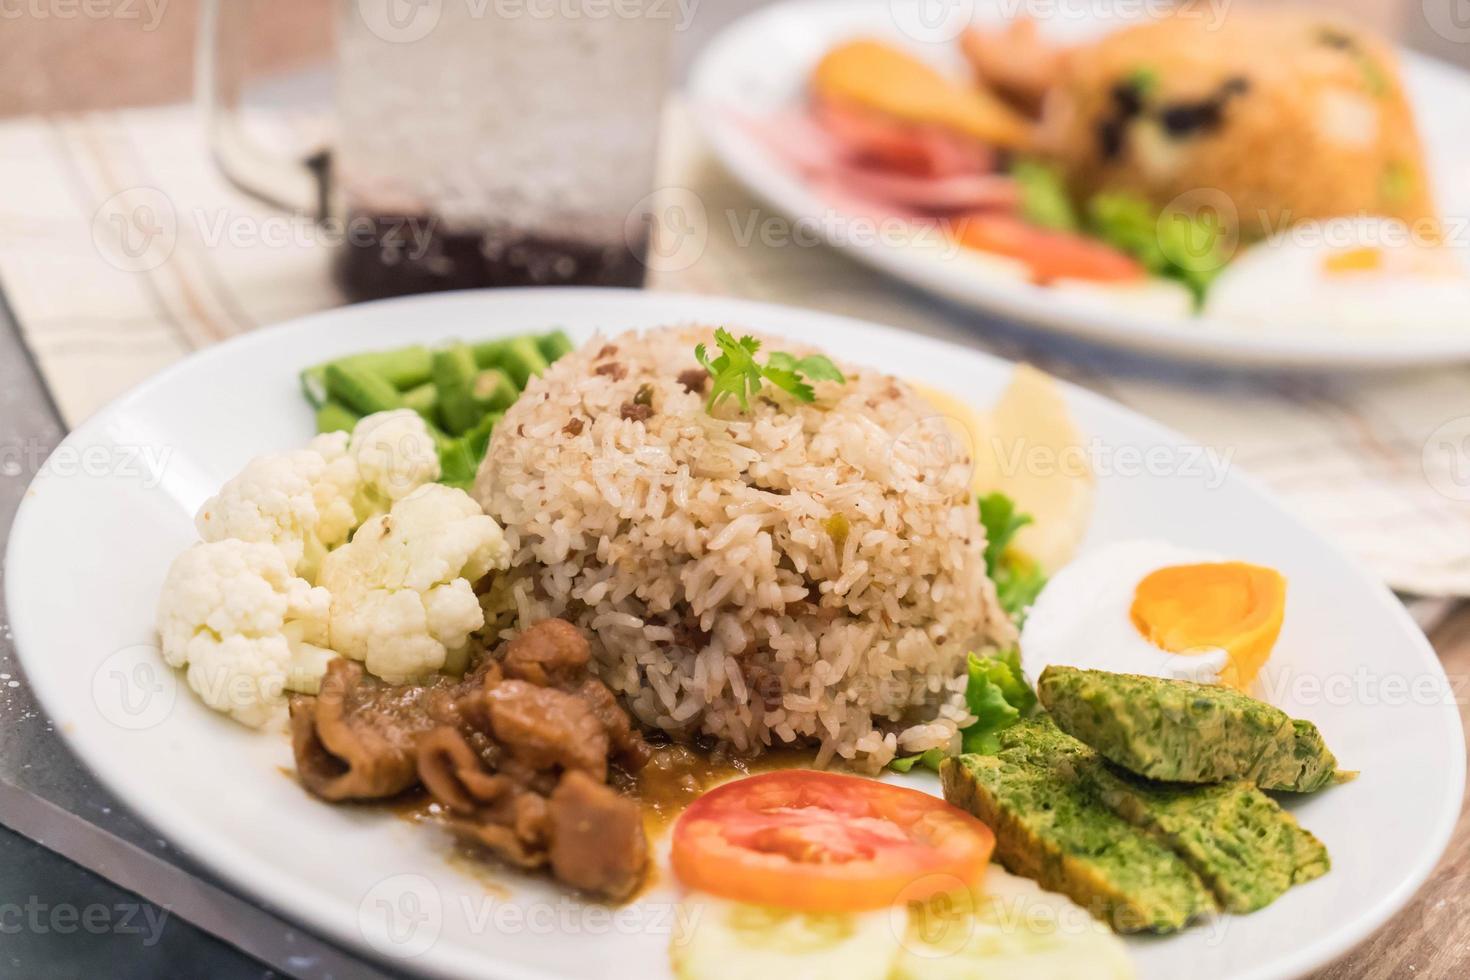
1081, 617
1284, 282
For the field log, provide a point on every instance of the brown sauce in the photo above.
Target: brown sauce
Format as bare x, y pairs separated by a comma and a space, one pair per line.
677, 775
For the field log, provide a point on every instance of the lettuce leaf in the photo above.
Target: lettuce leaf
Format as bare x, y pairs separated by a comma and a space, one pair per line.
1017, 578
997, 694
1176, 245
1018, 581
1044, 199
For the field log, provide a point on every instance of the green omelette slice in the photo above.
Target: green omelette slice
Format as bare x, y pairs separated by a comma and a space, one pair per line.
1246, 848
1178, 731
1050, 829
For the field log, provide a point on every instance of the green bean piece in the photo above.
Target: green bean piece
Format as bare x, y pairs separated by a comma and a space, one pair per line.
454, 366
494, 391
555, 345
454, 375
457, 464
522, 360
404, 368
361, 390
477, 440
314, 385
458, 410
443, 441
488, 352
335, 417
423, 399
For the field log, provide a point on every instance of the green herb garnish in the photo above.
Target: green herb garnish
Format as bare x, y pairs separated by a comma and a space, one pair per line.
736, 371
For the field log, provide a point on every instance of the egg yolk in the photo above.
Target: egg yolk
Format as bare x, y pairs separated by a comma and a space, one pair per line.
1365, 259
1233, 606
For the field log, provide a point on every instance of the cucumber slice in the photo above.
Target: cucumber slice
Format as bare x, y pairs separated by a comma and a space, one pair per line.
732, 941
1012, 931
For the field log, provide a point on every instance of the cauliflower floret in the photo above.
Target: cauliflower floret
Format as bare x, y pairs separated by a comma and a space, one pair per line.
246, 628
403, 597
309, 501
395, 455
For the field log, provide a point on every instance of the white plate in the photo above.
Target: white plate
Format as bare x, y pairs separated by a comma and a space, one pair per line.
100, 525
760, 64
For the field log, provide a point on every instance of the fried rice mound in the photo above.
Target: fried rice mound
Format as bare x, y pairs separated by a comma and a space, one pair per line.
791, 574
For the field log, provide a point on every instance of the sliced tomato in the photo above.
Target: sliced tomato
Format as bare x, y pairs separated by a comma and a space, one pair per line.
822, 842
868, 137
1048, 254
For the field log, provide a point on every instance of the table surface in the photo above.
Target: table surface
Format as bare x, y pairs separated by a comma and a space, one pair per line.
1430, 939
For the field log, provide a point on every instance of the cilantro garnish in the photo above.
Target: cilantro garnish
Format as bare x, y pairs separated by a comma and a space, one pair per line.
736, 371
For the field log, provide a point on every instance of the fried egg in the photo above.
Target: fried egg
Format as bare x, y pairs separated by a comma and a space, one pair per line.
1344, 275
1151, 607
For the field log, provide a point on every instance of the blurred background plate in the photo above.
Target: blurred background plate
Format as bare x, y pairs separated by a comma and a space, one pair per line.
759, 66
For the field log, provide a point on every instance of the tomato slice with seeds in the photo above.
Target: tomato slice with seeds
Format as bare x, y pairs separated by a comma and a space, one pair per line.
1048, 254
819, 841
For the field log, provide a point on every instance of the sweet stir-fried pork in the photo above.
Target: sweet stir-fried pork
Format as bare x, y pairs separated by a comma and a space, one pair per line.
516, 754
356, 739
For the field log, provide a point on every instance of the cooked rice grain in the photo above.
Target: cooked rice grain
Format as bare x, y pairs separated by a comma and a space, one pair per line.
797, 573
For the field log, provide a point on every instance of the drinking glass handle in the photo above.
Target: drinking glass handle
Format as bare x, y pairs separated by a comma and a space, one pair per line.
298, 185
